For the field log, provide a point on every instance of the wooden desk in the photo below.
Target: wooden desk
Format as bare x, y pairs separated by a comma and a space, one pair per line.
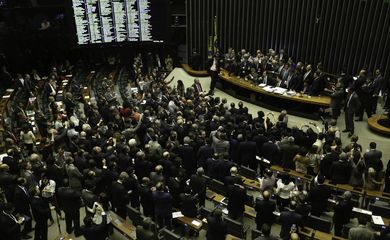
250, 183
123, 226
189, 222
195, 73
377, 194
323, 101
249, 211
326, 236
292, 173
231, 237
375, 126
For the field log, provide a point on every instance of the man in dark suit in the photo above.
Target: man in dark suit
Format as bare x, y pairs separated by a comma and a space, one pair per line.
186, 152
318, 84
198, 185
91, 231
9, 224
120, 195
234, 178
360, 90
287, 219
373, 158
308, 77
206, 151
197, 86
89, 198
146, 197
162, 206
340, 171
22, 205
336, 101
270, 151
247, 151
189, 203
69, 201
342, 213
352, 106
145, 232
288, 151
318, 197
41, 212
236, 195
264, 211
216, 226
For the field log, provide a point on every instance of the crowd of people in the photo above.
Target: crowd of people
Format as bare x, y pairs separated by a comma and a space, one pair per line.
278, 70
152, 153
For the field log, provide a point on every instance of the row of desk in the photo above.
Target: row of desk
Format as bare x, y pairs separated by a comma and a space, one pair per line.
365, 193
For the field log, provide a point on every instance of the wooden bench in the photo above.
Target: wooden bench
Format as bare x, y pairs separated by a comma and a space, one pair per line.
123, 226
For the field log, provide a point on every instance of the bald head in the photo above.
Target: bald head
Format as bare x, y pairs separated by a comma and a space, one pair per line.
266, 195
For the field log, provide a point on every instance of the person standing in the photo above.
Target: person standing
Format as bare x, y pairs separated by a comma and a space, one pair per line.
342, 213
216, 226
70, 202
41, 212
9, 224
22, 205
351, 107
214, 71
264, 211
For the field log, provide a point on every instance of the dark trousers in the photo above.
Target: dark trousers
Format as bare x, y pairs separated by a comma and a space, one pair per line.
335, 113
214, 78
338, 228
41, 229
374, 104
27, 226
235, 215
72, 217
349, 124
365, 106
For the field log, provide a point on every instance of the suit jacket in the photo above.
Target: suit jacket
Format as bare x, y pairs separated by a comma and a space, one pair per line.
237, 198
145, 234
372, 159
270, 152
318, 199
336, 99
352, 103
119, 195
187, 154
22, 201
40, 209
89, 198
189, 205
342, 212
216, 229
9, 229
162, 203
204, 153
198, 185
69, 199
146, 197
74, 175
95, 232
360, 233
287, 219
247, 151
265, 209
340, 172
288, 152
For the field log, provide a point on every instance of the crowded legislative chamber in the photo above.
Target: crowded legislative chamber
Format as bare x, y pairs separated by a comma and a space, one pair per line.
194, 119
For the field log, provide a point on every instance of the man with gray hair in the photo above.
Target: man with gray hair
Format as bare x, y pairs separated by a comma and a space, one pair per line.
120, 195
342, 213
288, 152
198, 185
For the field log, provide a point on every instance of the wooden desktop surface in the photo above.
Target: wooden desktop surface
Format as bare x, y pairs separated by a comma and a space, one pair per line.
195, 73
323, 101
375, 126
123, 226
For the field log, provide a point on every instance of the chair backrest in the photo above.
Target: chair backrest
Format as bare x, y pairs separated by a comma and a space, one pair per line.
379, 209
317, 223
217, 186
135, 216
169, 235
249, 200
208, 179
255, 234
235, 228
247, 172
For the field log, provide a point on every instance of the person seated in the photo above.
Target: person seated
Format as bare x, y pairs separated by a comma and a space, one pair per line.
253, 77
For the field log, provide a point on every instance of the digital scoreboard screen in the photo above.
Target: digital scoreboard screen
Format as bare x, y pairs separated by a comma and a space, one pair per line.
114, 21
